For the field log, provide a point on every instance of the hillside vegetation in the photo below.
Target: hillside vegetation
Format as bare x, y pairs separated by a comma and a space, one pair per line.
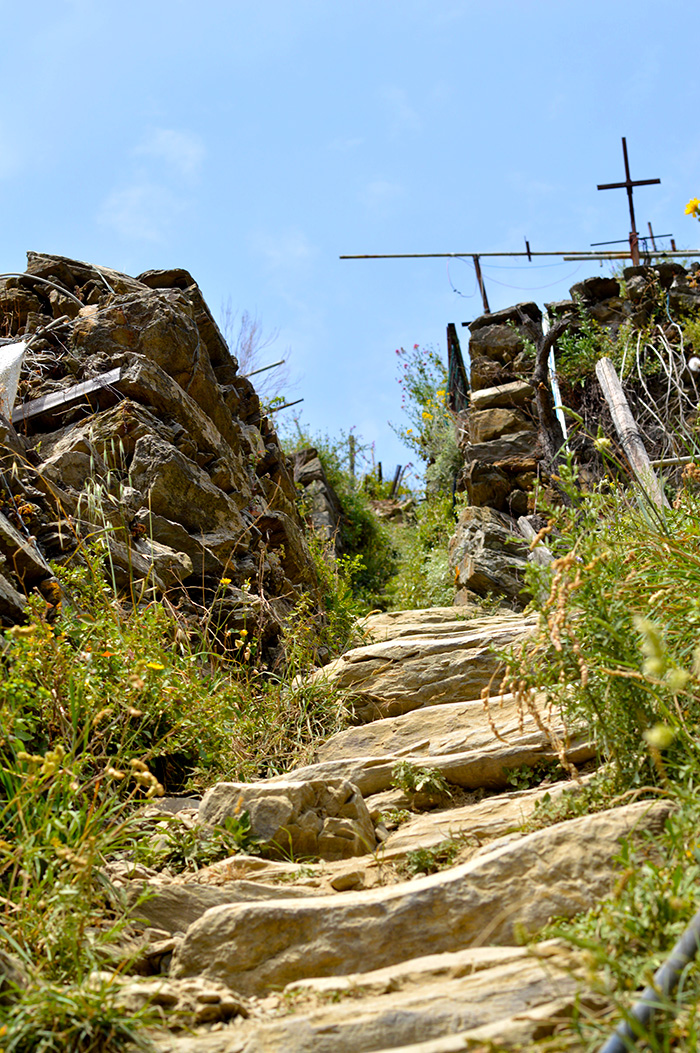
117, 698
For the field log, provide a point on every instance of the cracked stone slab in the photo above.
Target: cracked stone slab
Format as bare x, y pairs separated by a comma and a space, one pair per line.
555, 872
409, 672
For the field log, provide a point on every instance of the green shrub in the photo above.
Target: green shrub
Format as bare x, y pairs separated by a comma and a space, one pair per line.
431, 435
424, 578
363, 541
618, 633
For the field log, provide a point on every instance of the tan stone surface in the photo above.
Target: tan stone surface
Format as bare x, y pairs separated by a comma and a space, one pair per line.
428, 621
473, 823
488, 424
413, 1008
386, 679
558, 871
433, 730
471, 769
295, 817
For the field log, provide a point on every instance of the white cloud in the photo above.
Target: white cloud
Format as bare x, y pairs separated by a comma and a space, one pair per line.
181, 152
343, 144
142, 212
284, 251
402, 116
381, 195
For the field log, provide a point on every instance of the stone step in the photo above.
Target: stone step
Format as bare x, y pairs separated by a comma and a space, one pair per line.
485, 768
557, 871
441, 729
404, 1008
408, 672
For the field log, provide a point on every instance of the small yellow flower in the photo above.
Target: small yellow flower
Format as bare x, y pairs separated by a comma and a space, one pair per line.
155, 665
225, 581
693, 207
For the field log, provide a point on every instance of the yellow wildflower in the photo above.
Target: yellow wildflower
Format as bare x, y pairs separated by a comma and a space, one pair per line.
693, 207
155, 665
225, 581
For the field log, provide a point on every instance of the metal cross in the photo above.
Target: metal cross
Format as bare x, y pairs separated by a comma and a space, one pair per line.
628, 184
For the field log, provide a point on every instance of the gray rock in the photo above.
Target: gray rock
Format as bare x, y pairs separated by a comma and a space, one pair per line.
593, 290
174, 907
21, 556
486, 555
517, 446
488, 424
516, 393
386, 679
12, 602
507, 314
176, 488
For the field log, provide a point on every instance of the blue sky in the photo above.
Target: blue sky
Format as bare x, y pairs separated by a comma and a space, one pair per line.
255, 142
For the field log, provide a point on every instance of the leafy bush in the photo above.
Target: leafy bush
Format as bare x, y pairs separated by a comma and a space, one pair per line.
619, 620
423, 578
423, 382
73, 1019
363, 541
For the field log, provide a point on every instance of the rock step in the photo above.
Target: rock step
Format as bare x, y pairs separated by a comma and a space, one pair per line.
407, 672
398, 1012
557, 871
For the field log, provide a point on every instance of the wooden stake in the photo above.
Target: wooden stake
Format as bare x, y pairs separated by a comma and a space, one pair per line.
628, 432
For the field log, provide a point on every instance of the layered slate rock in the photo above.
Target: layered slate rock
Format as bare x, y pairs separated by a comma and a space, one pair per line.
192, 484
296, 818
487, 556
560, 871
386, 679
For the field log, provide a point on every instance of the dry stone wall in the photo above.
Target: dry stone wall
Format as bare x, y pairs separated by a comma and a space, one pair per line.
148, 434
498, 432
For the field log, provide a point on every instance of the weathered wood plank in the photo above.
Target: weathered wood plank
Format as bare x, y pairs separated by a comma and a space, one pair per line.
628, 432
58, 399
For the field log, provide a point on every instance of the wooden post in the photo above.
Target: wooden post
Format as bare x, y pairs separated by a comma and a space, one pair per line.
351, 454
628, 432
482, 287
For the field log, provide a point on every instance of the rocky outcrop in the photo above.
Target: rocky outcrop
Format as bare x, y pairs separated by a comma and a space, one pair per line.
133, 423
322, 504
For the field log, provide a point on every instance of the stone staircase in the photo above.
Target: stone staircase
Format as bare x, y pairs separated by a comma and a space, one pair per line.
337, 938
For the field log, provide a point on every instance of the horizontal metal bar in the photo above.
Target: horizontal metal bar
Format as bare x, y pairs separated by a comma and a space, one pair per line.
57, 399
658, 255
445, 255
626, 241
627, 185
262, 369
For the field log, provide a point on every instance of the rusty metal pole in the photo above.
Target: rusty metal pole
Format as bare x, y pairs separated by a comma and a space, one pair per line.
629, 185
482, 287
634, 237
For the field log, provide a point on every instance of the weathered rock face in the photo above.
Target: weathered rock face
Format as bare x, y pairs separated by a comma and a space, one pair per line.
253, 947
195, 486
385, 679
485, 554
324, 510
326, 818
